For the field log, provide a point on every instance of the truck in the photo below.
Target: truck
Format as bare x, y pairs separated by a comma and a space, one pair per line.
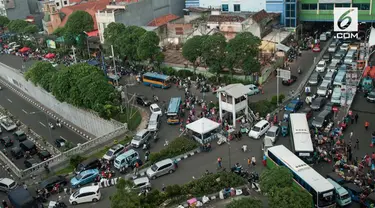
21, 198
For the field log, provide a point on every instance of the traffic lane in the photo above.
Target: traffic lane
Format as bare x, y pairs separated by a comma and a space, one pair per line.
360, 104
34, 118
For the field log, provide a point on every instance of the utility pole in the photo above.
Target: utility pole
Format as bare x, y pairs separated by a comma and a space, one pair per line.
74, 54
114, 64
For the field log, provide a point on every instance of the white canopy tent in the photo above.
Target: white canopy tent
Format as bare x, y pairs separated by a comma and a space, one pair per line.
202, 129
371, 39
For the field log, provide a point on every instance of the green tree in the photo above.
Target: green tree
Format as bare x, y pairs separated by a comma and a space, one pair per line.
148, 46
129, 42
4, 21
192, 50
31, 30
214, 52
290, 198
60, 31
37, 72
125, 196
242, 52
79, 22
245, 203
17, 26
113, 32
278, 177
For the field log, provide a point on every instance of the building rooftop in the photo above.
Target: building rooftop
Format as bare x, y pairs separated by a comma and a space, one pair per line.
162, 20
198, 9
235, 90
276, 36
225, 18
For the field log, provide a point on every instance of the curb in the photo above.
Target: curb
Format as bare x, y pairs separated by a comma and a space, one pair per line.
51, 114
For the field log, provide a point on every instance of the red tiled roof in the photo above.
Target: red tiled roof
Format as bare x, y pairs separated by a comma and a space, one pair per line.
94, 33
225, 18
90, 7
259, 16
162, 20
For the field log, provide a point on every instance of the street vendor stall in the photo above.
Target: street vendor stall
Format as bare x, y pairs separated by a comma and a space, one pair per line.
50, 56
203, 130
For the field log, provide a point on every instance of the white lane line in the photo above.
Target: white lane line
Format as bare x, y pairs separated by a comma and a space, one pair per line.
10, 101
42, 124
63, 138
25, 111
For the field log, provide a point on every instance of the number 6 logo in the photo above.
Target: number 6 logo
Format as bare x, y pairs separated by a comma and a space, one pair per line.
343, 18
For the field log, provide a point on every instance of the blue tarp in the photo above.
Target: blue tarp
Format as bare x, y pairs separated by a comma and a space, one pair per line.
93, 62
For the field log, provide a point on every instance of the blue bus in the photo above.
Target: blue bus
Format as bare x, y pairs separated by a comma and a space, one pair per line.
156, 80
173, 113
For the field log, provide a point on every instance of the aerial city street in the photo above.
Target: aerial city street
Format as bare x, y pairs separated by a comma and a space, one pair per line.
195, 103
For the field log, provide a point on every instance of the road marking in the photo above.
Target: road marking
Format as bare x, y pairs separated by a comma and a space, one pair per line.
10, 101
25, 111
63, 138
42, 124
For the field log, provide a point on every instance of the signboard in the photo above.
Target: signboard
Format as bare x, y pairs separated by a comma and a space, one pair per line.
282, 73
335, 109
51, 44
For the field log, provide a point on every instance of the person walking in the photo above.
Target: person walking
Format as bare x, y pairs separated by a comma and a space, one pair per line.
351, 135
367, 124
357, 144
136, 166
248, 162
352, 119
253, 161
356, 118
219, 162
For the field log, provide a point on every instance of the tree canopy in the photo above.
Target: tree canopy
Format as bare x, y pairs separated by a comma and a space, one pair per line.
125, 196
245, 203
192, 49
4, 21
81, 85
79, 22
31, 29
148, 46
214, 52
290, 198
278, 177
17, 26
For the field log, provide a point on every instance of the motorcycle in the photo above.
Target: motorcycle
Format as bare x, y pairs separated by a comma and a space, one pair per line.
146, 146
58, 124
254, 177
51, 125
156, 99
155, 138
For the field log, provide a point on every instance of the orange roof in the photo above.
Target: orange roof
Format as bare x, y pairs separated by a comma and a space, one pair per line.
90, 7
162, 20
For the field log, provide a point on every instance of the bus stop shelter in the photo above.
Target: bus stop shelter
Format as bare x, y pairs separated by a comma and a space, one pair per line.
203, 130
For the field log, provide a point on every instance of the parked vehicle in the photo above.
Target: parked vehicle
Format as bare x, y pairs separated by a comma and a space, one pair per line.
322, 119
52, 182
142, 100
85, 194
315, 78
28, 146
354, 191
342, 195
154, 122
259, 129
84, 177
126, 159
141, 184
327, 57
324, 88
272, 133
161, 168
6, 141
318, 103
308, 111
114, 151
290, 81
91, 163
321, 66
20, 135
371, 97
21, 198
44, 155
17, 152
154, 108
336, 96
332, 48
30, 163
7, 184
60, 142
142, 137
294, 105
253, 89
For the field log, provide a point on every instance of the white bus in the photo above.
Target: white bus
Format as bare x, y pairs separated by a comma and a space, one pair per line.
300, 137
320, 188
7, 123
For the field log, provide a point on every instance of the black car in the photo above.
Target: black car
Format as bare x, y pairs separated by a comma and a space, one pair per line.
44, 155
6, 141
327, 57
30, 163
142, 100
51, 182
20, 135
290, 81
16, 152
60, 142
371, 97
318, 103
329, 107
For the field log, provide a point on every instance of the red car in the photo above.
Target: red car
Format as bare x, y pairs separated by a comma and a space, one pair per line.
290, 81
316, 48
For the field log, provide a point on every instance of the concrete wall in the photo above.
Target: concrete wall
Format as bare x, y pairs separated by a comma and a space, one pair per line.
144, 11
20, 11
246, 5
85, 120
277, 7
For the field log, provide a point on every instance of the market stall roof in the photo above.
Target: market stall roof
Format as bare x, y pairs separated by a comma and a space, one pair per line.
277, 36
235, 90
371, 40
282, 47
24, 49
203, 126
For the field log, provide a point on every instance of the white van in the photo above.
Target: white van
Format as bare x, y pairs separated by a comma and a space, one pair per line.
154, 122
85, 194
272, 133
323, 37
259, 129
154, 108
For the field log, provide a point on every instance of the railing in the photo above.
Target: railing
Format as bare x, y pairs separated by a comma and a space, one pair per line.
63, 157
11, 165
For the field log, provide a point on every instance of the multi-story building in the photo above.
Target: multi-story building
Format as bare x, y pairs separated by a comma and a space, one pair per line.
139, 13
229, 5
322, 10
287, 10
14, 9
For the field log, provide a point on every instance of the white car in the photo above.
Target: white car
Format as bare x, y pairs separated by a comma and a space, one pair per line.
7, 184
259, 129
332, 48
113, 152
344, 46
321, 66
154, 108
85, 194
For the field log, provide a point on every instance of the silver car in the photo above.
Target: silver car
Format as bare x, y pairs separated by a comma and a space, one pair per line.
315, 78
161, 168
7, 184
141, 183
